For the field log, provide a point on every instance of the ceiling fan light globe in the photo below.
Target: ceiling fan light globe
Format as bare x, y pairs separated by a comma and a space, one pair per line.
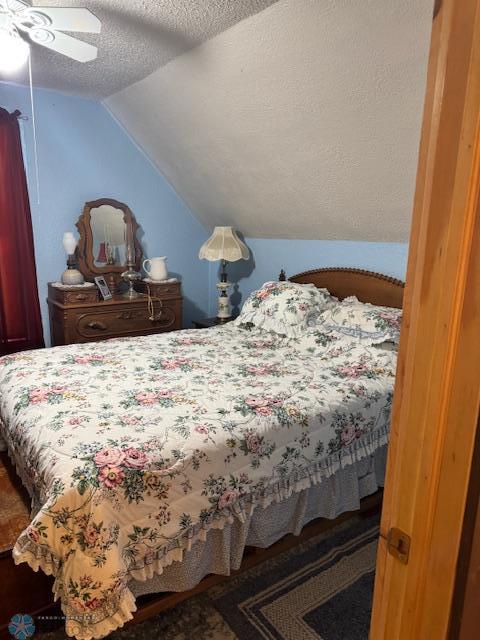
14, 52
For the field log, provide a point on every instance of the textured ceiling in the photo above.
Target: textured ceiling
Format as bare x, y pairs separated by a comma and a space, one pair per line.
138, 36
301, 121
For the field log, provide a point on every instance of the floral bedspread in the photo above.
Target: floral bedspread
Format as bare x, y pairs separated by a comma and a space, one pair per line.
135, 448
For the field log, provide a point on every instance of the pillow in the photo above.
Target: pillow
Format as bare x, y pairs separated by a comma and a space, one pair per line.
283, 307
363, 321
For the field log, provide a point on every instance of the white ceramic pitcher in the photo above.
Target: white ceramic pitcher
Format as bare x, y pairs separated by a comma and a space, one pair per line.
158, 268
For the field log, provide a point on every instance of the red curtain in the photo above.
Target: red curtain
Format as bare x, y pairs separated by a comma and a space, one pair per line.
20, 320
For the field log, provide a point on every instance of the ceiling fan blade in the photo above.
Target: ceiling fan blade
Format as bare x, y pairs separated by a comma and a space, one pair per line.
65, 19
14, 5
60, 42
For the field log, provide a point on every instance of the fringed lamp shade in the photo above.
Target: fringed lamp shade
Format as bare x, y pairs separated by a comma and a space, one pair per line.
224, 244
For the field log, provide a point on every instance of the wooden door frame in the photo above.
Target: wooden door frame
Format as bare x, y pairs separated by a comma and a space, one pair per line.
436, 402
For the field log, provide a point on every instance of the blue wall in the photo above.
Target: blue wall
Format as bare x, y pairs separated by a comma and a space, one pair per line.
83, 154
269, 256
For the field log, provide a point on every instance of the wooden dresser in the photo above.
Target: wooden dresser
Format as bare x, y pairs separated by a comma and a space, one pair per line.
80, 316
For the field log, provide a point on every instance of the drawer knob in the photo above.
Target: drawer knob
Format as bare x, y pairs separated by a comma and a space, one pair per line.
80, 296
99, 326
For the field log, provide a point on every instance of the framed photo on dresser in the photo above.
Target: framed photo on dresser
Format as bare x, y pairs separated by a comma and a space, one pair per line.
104, 290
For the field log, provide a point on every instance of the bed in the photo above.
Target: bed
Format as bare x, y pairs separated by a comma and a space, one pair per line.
153, 462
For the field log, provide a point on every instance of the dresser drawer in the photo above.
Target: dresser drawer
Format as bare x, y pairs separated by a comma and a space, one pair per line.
72, 297
159, 290
127, 321
87, 295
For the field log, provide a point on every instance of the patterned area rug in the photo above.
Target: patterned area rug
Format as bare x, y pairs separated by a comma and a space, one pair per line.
321, 590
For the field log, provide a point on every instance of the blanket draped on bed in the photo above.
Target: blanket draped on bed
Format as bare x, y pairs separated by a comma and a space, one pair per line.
134, 448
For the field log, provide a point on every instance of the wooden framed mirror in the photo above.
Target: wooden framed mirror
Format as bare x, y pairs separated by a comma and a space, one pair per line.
106, 226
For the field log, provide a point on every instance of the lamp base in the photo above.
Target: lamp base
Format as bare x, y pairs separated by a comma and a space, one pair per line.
223, 318
131, 276
72, 276
223, 309
131, 293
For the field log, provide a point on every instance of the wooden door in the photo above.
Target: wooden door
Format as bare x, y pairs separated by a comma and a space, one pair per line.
438, 379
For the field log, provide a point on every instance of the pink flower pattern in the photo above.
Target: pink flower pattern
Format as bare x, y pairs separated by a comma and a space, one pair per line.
111, 476
109, 457
146, 398
227, 498
201, 428
183, 429
253, 442
134, 458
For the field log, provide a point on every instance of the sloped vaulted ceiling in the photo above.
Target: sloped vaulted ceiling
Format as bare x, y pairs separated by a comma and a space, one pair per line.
301, 121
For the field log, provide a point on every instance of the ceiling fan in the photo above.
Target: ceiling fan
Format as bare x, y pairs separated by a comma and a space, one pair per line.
20, 23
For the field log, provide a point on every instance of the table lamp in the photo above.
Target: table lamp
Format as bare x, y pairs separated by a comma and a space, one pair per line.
72, 275
224, 245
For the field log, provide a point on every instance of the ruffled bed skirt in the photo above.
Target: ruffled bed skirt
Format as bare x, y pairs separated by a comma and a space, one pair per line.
222, 551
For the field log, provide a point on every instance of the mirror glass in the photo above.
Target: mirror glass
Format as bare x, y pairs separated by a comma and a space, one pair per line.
109, 233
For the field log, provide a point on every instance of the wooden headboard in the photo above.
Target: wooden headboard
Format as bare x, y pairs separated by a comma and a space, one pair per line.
368, 286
